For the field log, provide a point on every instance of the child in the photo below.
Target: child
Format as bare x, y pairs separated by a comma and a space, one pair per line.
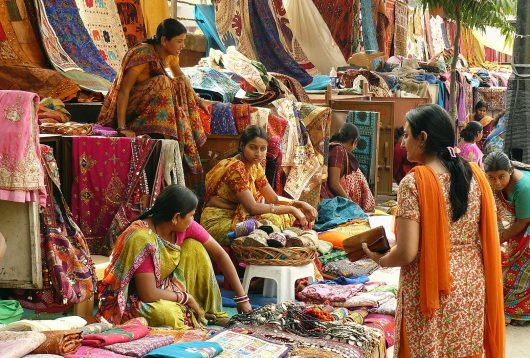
469, 149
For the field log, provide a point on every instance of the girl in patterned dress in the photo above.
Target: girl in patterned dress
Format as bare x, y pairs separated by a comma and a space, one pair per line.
450, 301
469, 150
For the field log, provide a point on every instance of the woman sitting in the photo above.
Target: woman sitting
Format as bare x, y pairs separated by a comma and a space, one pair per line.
512, 195
236, 187
161, 269
344, 176
486, 121
469, 150
151, 95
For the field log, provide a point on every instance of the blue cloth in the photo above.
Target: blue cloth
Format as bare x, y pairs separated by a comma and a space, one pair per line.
427, 78
369, 36
187, 350
223, 122
341, 280
215, 85
336, 211
366, 149
320, 82
269, 48
441, 97
205, 17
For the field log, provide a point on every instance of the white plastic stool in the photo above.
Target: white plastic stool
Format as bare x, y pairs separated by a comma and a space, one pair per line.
281, 277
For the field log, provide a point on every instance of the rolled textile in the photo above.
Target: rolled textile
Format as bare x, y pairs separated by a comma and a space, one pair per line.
270, 95
68, 323
120, 334
95, 328
59, 342
18, 344
142, 346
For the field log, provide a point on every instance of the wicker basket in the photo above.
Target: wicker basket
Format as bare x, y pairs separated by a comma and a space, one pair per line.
271, 256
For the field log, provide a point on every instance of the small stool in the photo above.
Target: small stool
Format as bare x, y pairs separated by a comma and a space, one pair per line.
278, 278
86, 308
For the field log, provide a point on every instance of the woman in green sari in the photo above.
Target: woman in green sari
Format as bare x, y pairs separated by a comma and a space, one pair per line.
160, 269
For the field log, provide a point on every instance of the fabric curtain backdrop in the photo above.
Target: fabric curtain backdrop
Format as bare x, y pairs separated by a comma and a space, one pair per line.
338, 15
368, 23
390, 9
381, 23
205, 17
132, 21
74, 38
267, 43
154, 12
367, 123
436, 32
233, 25
290, 43
100, 19
428, 34
401, 28
311, 31
18, 41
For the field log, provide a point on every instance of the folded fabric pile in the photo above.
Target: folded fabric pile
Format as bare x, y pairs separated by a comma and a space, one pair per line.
18, 344
63, 323
127, 332
344, 267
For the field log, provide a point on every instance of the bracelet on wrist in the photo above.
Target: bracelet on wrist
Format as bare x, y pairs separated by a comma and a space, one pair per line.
241, 298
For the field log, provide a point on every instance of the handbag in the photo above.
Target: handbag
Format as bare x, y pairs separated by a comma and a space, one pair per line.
375, 238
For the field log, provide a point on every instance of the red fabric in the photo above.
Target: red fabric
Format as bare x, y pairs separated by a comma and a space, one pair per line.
120, 334
3, 36
401, 165
147, 266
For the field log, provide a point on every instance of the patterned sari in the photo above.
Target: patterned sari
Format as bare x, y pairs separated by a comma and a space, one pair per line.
228, 177
185, 268
515, 264
161, 105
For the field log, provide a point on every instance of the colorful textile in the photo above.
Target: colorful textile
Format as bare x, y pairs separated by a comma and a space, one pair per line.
365, 299
269, 49
365, 152
95, 328
338, 15
59, 342
154, 12
205, 18
161, 105
222, 120
241, 114
132, 21
471, 153
207, 81
187, 350
10, 311
21, 175
100, 19
385, 323
313, 35
362, 267
191, 335
336, 211
18, 344
68, 323
140, 347
233, 25
235, 344
185, 268
515, 259
120, 334
368, 26
495, 97
401, 10
358, 190
19, 44
65, 19
287, 39
465, 252
96, 198
332, 293
228, 177
93, 352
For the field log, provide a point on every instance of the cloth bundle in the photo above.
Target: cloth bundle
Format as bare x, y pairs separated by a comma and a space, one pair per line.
332, 293
142, 346
60, 342
362, 267
63, 323
95, 328
18, 344
124, 333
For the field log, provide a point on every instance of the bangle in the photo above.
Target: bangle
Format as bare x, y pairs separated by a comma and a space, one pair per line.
241, 299
272, 208
182, 297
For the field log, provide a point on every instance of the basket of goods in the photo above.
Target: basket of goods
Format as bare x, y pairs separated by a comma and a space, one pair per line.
262, 243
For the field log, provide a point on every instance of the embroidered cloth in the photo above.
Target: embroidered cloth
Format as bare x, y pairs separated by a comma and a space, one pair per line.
132, 21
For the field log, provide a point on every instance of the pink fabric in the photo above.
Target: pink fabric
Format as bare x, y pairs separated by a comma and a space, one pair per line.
331, 293
21, 174
195, 231
89, 352
100, 168
471, 153
147, 266
119, 334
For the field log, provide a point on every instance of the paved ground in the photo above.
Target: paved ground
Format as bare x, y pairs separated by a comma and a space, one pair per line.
517, 342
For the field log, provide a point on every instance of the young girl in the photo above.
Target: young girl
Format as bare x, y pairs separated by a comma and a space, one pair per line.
469, 149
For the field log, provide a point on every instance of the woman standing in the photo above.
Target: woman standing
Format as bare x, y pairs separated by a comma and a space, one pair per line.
161, 269
486, 121
237, 186
469, 150
344, 176
512, 195
450, 293
151, 95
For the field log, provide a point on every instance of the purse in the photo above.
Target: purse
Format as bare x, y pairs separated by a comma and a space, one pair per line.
375, 238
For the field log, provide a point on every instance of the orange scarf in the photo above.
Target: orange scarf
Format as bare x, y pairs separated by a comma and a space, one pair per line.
435, 275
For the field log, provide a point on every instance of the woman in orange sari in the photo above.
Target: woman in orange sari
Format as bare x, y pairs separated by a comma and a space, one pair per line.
151, 95
450, 300
236, 187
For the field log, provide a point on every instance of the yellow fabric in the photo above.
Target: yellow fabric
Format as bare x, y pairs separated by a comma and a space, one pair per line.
493, 39
154, 12
219, 222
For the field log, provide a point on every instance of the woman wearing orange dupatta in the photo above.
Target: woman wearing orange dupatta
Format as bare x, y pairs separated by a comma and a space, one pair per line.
450, 301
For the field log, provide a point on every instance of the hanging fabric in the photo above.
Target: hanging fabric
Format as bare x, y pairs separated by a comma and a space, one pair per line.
132, 21
154, 12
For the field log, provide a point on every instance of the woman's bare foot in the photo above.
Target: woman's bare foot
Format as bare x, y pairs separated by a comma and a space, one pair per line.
214, 320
